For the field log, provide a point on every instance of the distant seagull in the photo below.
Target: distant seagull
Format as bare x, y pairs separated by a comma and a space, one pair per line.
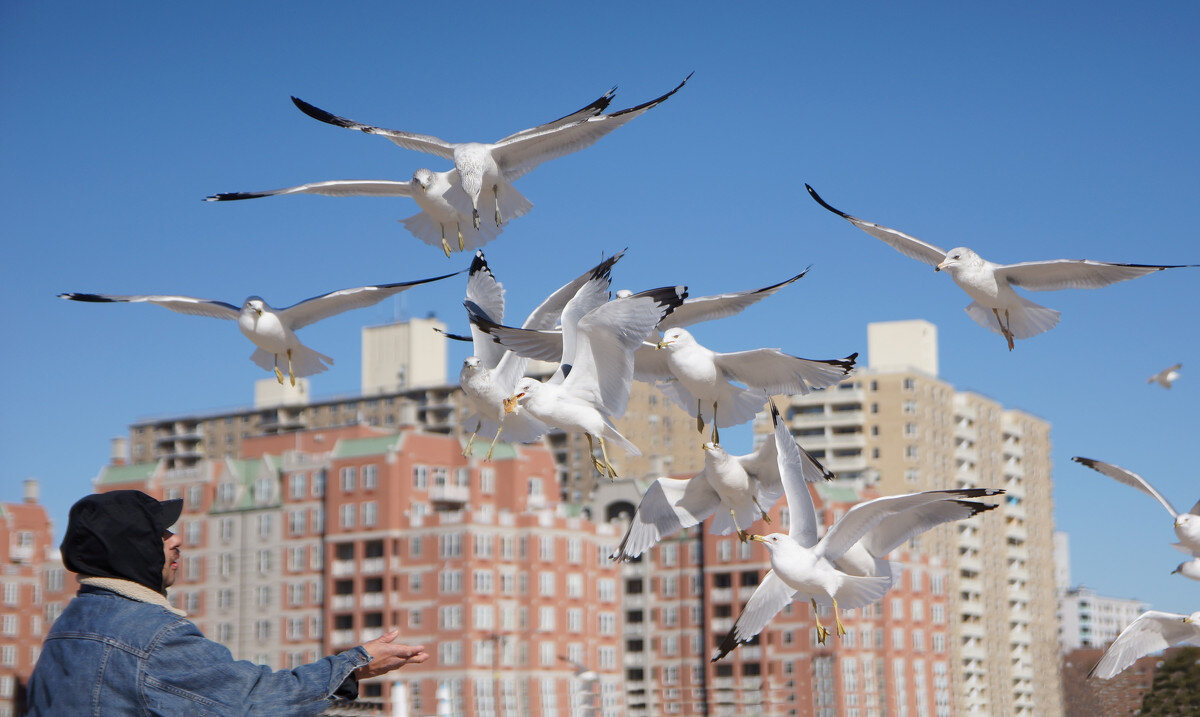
802, 564
737, 489
991, 285
1166, 377
586, 393
1187, 525
272, 330
446, 207
495, 166
491, 374
698, 378
1189, 568
1152, 632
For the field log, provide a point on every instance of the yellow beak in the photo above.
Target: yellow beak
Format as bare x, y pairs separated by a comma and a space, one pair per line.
662, 344
759, 538
941, 266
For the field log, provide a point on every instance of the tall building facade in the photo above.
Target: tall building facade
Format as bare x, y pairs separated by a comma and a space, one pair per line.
1089, 619
32, 592
899, 427
311, 542
683, 596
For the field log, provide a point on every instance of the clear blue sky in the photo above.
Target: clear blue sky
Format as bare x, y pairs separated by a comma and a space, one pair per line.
1064, 130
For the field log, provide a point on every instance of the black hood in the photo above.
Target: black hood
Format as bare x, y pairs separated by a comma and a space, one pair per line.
119, 535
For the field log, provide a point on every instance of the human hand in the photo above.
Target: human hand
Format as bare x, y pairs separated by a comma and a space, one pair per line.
387, 656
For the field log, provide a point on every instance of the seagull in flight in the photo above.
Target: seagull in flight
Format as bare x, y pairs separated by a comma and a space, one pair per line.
494, 166
445, 207
1166, 377
491, 374
745, 486
1152, 632
592, 384
272, 330
1187, 525
805, 565
996, 305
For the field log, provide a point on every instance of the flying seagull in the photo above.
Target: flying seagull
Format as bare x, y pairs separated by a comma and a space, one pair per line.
1166, 377
744, 486
1187, 525
493, 167
272, 330
996, 305
1152, 632
491, 374
805, 565
445, 206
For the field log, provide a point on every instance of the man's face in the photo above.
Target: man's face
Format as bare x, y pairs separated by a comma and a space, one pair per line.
171, 543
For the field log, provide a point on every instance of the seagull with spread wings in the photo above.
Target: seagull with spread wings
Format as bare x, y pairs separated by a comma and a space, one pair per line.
1151, 632
592, 384
493, 167
1187, 525
445, 206
802, 564
996, 305
491, 374
1167, 376
272, 330
745, 486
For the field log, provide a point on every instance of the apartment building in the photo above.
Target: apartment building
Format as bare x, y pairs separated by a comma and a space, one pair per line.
899, 427
311, 542
683, 596
1089, 619
32, 592
401, 385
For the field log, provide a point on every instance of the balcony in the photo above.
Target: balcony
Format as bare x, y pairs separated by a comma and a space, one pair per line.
372, 565
449, 493
372, 600
342, 602
721, 595
342, 637
342, 568
20, 553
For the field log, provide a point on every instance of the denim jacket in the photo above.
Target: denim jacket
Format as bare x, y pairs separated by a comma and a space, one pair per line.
120, 649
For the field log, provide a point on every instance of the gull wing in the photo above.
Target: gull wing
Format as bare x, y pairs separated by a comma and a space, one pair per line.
891, 532
1074, 273
332, 188
486, 296
518, 155
592, 294
541, 345
1152, 632
650, 364
180, 304
602, 367
1161, 375
312, 310
669, 506
802, 515
718, 306
776, 372
862, 518
1129, 478
547, 314
590, 110
771, 596
417, 142
909, 246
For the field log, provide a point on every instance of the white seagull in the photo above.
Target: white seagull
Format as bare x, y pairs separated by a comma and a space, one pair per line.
493, 167
1166, 377
592, 384
700, 379
1189, 568
1152, 632
446, 208
491, 374
745, 486
272, 330
1187, 525
800, 563
996, 305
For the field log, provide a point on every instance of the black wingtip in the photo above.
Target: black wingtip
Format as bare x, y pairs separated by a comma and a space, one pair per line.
94, 298
319, 114
231, 196
812, 192
976, 492
478, 263
775, 417
603, 270
976, 508
656, 101
827, 474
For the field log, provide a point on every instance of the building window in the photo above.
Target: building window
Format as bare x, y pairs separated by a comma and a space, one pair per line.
318, 484
487, 481
546, 548
370, 514
546, 619
348, 513
296, 523
369, 477
483, 581
421, 477
297, 486
349, 477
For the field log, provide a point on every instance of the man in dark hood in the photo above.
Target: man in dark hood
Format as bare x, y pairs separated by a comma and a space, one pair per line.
120, 647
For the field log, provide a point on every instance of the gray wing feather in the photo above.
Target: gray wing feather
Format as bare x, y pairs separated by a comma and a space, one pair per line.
718, 306
332, 188
770, 597
179, 304
669, 506
802, 515
1152, 632
1074, 273
408, 140
1129, 478
909, 246
776, 372
312, 310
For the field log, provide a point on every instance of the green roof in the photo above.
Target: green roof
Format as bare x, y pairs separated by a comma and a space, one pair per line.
245, 472
837, 492
126, 474
355, 447
503, 451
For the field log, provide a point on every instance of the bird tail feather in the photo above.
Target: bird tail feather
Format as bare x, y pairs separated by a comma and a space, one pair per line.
1028, 319
613, 436
423, 227
856, 592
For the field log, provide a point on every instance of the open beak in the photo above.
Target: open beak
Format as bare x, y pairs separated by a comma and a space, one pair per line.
662, 344
510, 403
759, 538
941, 266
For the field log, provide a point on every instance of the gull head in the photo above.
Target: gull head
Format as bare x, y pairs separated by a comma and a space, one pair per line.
958, 258
675, 337
1193, 619
774, 541
423, 178
471, 363
1186, 520
254, 304
525, 388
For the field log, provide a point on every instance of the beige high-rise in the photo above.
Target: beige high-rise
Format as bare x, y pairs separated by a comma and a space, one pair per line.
897, 424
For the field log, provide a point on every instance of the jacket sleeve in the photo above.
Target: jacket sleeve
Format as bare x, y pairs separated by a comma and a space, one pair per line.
185, 665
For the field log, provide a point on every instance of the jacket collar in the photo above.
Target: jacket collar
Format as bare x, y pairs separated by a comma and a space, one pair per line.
133, 591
